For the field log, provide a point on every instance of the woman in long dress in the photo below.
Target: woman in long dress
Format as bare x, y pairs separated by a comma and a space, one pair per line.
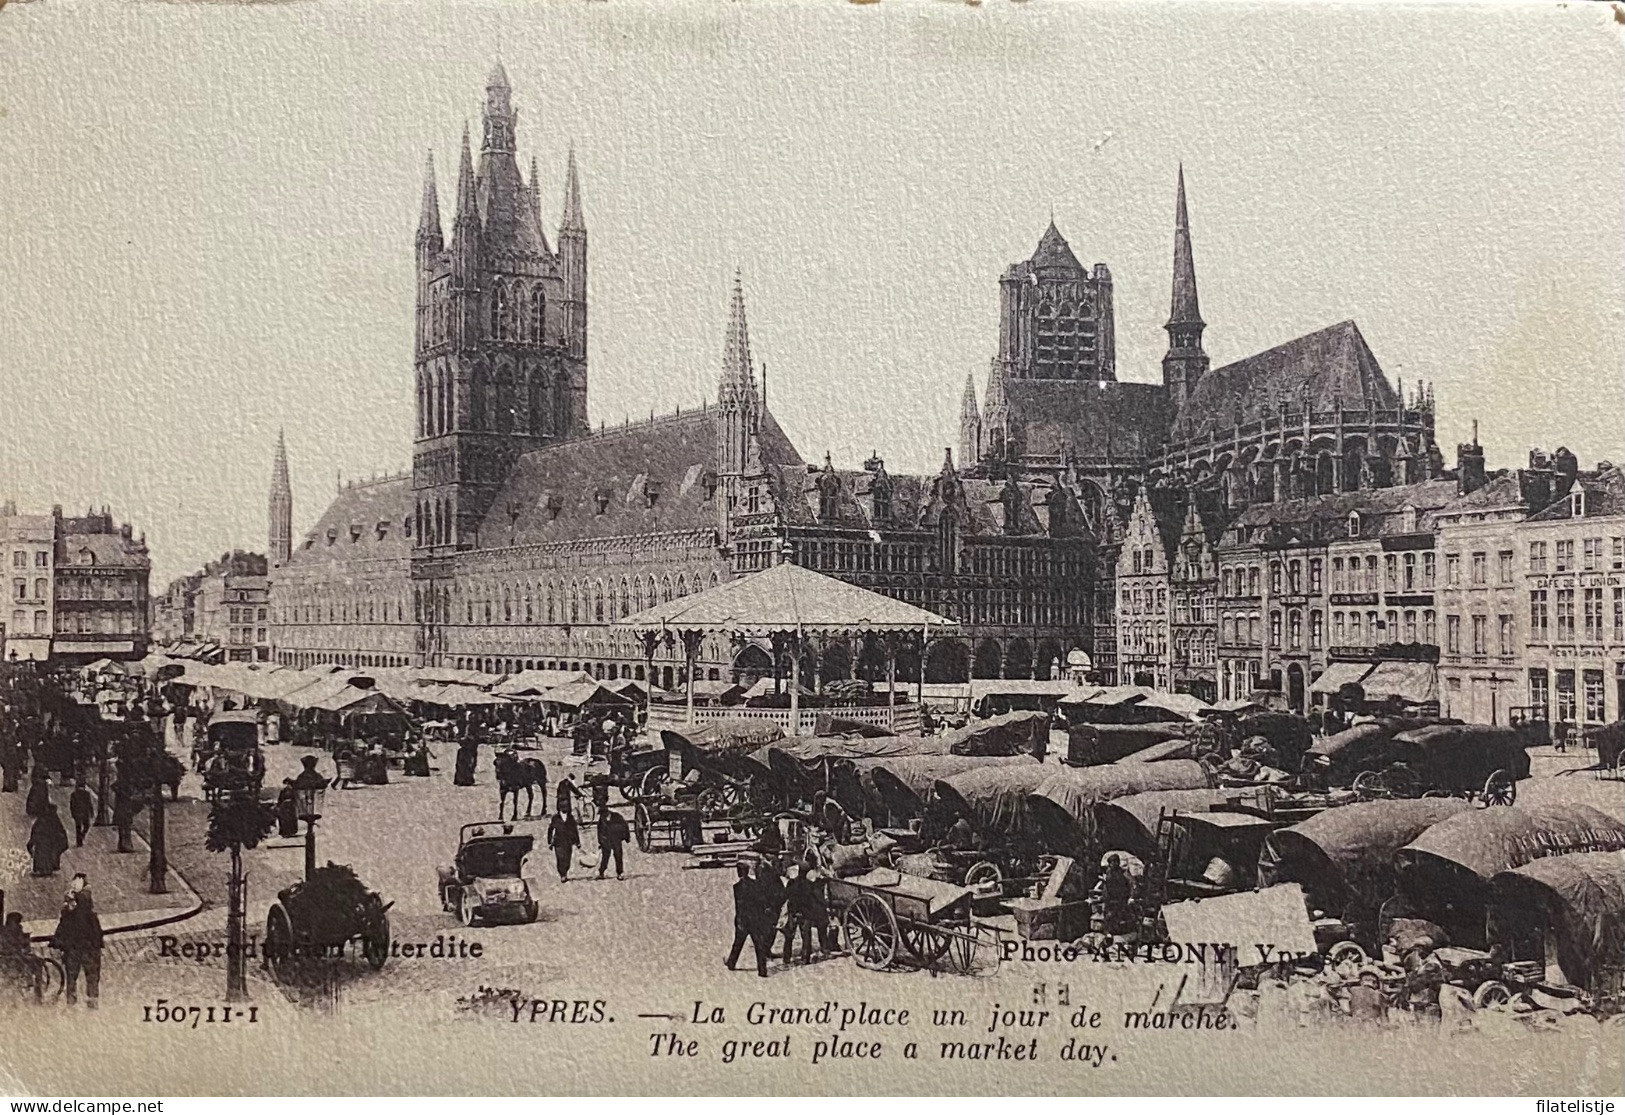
48, 841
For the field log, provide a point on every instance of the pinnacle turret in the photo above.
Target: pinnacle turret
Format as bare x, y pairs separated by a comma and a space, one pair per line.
429, 218
573, 220
1186, 362
467, 201
738, 376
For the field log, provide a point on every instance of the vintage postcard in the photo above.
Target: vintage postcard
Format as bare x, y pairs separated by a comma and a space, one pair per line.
772, 548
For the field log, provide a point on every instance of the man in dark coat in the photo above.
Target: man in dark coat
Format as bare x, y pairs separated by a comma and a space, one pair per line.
468, 758
39, 792
564, 837
748, 921
612, 838
48, 841
1116, 893
79, 938
82, 809
804, 913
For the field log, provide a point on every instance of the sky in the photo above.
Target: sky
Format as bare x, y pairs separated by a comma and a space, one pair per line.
207, 215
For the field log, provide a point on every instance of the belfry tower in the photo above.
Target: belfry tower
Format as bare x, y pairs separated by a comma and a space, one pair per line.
279, 535
501, 356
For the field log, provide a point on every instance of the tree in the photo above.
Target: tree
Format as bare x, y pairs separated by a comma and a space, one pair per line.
237, 821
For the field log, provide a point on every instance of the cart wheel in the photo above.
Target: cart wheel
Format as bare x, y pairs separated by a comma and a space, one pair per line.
1435, 794
984, 871
1491, 993
712, 801
641, 826
466, 910
279, 943
1345, 951
732, 794
1368, 783
653, 778
925, 943
1401, 783
375, 945
1500, 789
48, 978
871, 932
974, 950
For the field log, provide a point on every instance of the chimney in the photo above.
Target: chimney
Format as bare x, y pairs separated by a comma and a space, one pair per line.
1566, 465
1535, 487
1469, 467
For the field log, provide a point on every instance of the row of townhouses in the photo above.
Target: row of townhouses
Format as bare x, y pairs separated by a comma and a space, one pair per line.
77, 587
1498, 595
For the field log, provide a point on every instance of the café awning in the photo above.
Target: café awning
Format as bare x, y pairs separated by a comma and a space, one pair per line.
1415, 683
1339, 674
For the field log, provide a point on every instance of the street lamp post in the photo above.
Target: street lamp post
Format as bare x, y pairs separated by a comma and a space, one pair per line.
309, 788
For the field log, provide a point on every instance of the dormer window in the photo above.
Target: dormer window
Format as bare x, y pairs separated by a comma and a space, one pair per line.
601, 498
332, 535
1577, 504
381, 529
709, 480
554, 505
1410, 520
1354, 524
355, 532
651, 492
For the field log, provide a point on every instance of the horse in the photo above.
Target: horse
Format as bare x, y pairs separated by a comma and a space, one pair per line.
515, 774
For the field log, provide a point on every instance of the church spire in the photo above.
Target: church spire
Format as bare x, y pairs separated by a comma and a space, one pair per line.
1184, 310
280, 530
573, 220
1186, 362
429, 219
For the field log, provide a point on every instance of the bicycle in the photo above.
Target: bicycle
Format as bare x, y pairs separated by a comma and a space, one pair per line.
40, 973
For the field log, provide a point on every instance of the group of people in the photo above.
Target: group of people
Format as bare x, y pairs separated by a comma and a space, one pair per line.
78, 938
766, 905
564, 828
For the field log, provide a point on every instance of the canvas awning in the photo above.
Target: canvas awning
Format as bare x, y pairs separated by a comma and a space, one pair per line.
582, 693
1339, 674
535, 683
1416, 683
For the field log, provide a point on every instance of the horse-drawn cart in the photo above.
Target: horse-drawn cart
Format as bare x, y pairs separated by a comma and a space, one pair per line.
1475, 761
319, 918
889, 917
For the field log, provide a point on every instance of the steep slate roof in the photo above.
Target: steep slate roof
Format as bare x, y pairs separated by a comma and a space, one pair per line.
1126, 421
107, 549
1604, 495
1501, 490
556, 489
1381, 512
352, 521
1054, 251
1329, 365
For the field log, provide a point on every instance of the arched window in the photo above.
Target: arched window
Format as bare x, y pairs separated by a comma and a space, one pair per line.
499, 311
507, 418
536, 400
561, 405
477, 400
549, 603
575, 603
538, 315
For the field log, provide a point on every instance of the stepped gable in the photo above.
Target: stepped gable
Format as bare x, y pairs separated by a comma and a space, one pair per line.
367, 521
1323, 368
646, 478
1124, 421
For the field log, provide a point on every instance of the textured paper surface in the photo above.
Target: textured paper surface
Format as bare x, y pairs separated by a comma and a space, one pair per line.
208, 223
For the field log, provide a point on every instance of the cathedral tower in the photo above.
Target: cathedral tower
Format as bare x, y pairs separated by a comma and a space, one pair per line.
279, 536
1186, 362
501, 357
